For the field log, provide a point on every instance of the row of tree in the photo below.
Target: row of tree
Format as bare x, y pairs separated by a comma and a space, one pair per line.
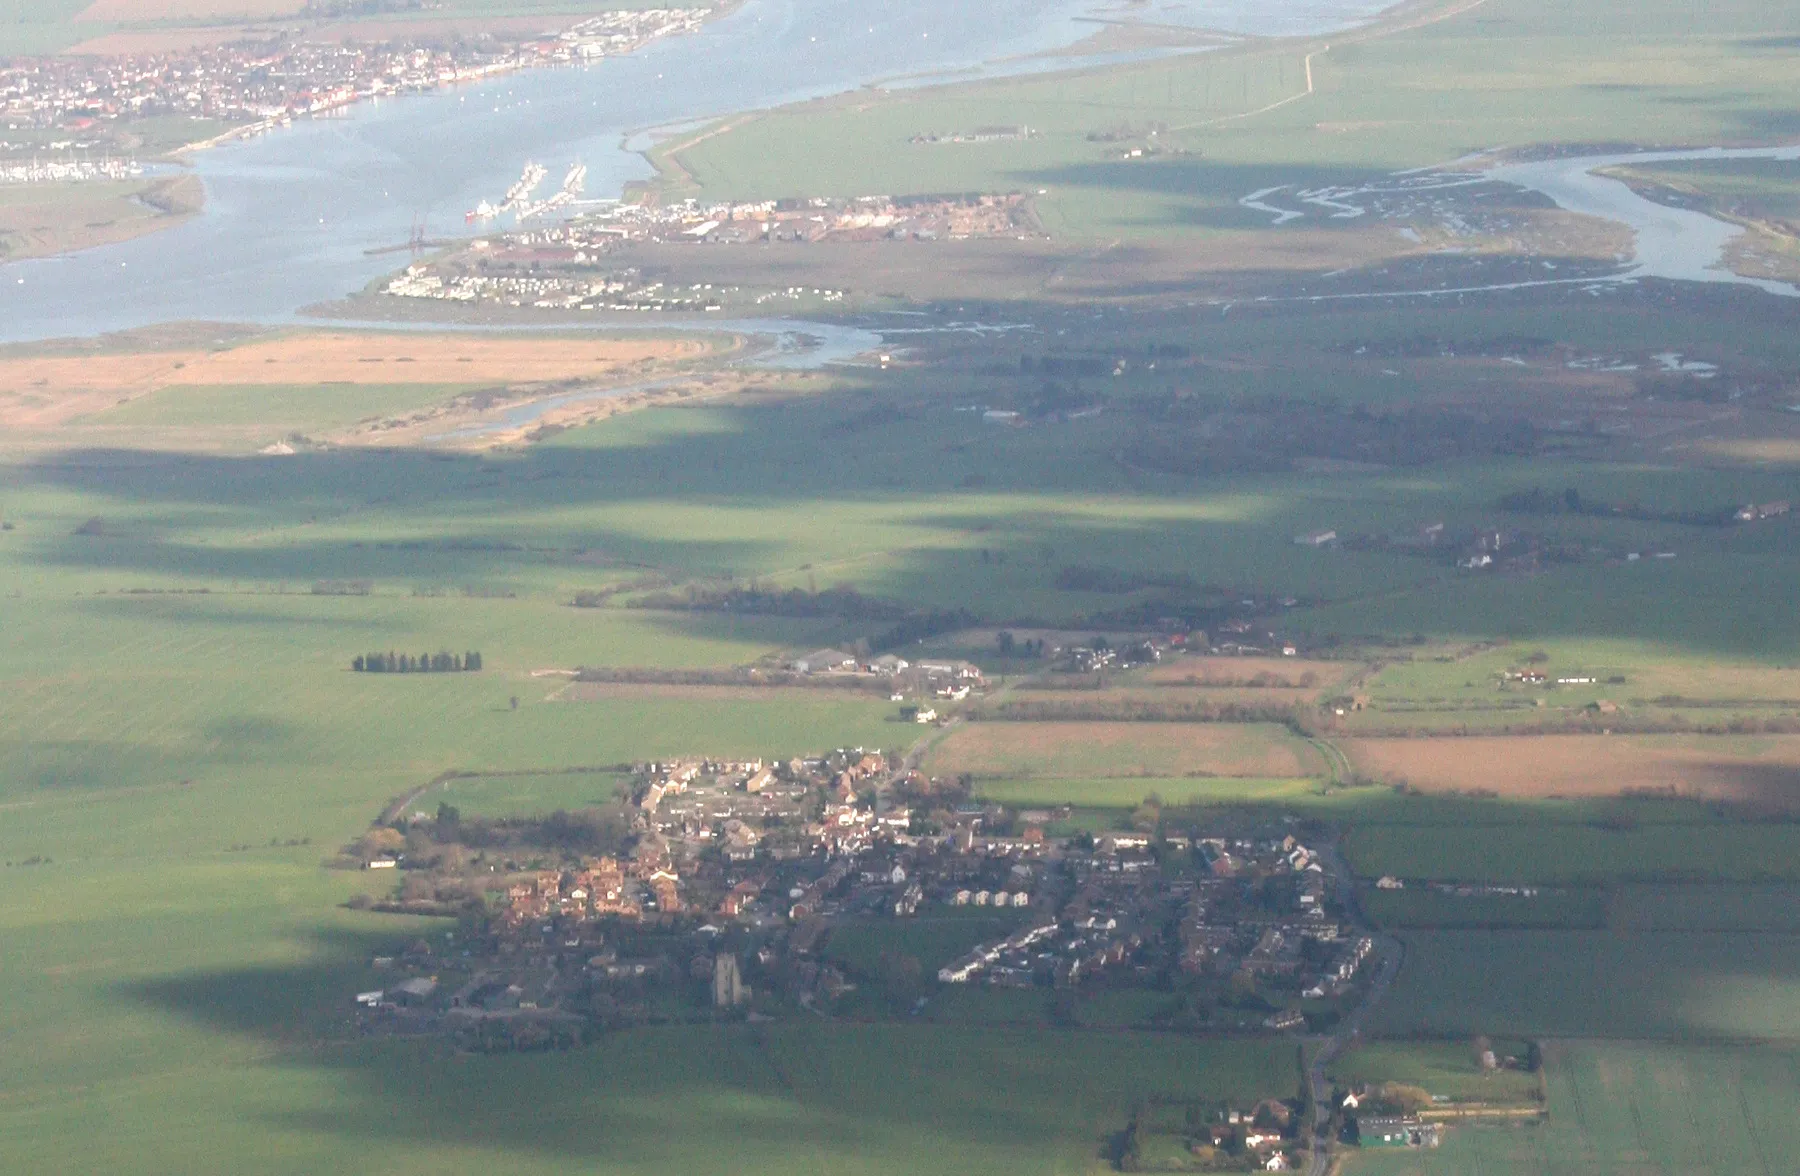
442, 662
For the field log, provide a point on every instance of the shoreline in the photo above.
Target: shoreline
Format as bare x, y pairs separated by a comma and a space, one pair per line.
473, 76
172, 201
665, 142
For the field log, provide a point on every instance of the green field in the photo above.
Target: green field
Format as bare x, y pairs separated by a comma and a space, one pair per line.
1574, 855
1498, 73
1707, 908
934, 940
1443, 1068
1675, 985
537, 792
1622, 1109
183, 746
1422, 907
1745, 187
848, 1099
1128, 792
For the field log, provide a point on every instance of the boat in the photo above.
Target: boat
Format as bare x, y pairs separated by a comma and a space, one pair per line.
520, 192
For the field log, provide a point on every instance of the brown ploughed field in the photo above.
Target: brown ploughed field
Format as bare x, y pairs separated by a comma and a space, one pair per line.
1761, 769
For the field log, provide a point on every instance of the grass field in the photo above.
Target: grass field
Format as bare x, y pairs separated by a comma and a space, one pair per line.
1124, 792
1562, 854
1622, 1109
933, 940
183, 741
710, 1101
1422, 907
1668, 985
537, 792
1447, 1068
1108, 750
1495, 73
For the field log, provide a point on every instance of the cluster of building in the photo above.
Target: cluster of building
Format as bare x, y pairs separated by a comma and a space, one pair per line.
566, 265
765, 861
948, 679
611, 291
597, 888
254, 85
1757, 511
1200, 904
862, 218
68, 171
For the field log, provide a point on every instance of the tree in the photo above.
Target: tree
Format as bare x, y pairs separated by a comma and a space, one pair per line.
449, 820
515, 702
1004, 640
378, 842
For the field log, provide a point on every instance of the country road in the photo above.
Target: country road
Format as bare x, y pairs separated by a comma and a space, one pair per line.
1391, 952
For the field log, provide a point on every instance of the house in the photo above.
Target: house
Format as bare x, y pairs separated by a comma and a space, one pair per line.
1316, 538
1389, 882
1277, 1161
415, 991
1284, 1021
1396, 1131
925, 716
825, 661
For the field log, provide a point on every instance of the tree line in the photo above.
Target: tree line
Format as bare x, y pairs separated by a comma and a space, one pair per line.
442, 662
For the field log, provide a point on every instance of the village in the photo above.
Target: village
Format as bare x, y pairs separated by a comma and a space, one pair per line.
571, 265
732, 887
254, 85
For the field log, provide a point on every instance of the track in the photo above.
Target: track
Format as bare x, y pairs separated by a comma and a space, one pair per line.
1391, 952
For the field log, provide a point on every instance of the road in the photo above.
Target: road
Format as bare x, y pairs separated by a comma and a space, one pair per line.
1390, 952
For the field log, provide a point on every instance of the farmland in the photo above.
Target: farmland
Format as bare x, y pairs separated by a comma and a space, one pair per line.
771, 1093
204, 524
1480, 75
1685, 985
1743, 768
1630, 1107
1074, 750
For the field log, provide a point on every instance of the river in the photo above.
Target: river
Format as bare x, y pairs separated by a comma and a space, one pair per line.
1674, 243
290, 215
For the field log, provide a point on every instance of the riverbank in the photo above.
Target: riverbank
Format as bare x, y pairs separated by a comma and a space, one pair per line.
53, 219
